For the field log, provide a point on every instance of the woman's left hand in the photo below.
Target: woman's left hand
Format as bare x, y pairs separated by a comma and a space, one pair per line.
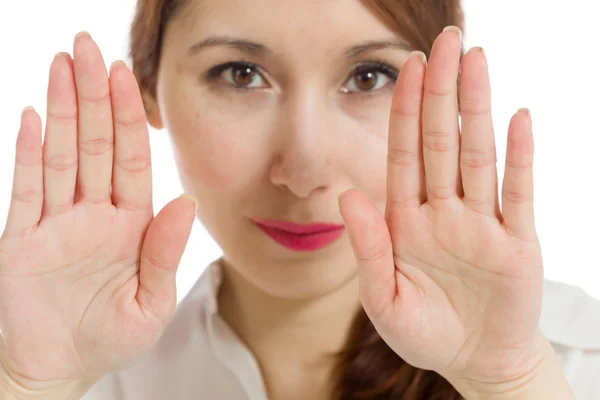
452, 283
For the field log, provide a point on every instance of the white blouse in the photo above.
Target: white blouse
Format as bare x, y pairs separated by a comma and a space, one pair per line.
200, 357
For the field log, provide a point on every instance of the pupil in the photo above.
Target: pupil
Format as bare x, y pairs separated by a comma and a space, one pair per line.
243, 76
367, 80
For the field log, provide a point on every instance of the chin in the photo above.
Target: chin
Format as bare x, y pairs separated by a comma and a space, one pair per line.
300, 277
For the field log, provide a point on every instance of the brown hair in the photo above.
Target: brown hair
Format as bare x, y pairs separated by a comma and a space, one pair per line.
367, 369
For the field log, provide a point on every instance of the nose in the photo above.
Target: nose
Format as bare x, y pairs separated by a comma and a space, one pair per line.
305, 157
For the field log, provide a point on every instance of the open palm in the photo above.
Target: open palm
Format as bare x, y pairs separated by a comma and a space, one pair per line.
450, 282
87, 273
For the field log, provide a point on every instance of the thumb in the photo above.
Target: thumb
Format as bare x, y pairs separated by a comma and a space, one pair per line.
370, 238
163, 247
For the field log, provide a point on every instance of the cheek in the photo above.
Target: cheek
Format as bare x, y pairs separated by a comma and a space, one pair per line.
212, 148
216, 135
209, 158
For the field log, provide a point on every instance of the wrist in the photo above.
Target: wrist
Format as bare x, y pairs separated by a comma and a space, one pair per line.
13, 389
545, 380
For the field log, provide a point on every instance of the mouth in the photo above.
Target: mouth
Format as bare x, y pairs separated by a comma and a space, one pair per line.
301, 237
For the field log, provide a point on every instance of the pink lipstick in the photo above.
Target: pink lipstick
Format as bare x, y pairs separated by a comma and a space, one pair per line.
301, 237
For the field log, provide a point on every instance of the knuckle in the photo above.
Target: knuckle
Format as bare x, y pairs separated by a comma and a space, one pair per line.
377, 250
430, 91
475, 158
56, 209
470, 109
482, 206
100, 98
60, 162
404, 112
152, 307
161, 264
441, 192
27, 160
57, 113
402, 157
519, 164
377, 253
131, 119
94, 194
439, 141
134, 164
96, 146
516, 197
132, 205
27, 195
403, 203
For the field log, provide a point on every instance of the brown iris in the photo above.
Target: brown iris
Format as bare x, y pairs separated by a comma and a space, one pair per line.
366, 80
243, 75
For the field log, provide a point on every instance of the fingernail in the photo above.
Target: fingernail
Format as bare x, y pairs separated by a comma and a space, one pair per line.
455, 29
526, 111
62, 54
339, 199
115, 63
193, 199
420, 55
339, 195
28, 108
81, 34
479, 48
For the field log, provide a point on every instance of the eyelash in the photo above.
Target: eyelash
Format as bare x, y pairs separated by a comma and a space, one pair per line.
214, 74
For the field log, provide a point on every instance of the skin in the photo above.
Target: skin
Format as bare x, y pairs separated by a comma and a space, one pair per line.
284, 149
451, 281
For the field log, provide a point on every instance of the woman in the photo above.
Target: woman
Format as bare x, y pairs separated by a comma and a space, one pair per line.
418, 287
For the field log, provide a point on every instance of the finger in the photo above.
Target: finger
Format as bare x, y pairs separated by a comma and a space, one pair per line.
372, 245
477, 148
95, 125
60, 141
163, 247
517, 188
440, 118
132, 174
27, 192
405, 174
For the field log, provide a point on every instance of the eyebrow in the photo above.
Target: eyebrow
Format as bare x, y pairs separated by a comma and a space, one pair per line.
373, 45
239, 44
254, 48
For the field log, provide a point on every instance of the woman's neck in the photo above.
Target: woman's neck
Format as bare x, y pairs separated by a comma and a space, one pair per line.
293, 340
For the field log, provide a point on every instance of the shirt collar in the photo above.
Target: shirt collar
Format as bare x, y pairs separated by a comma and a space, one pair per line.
214, 277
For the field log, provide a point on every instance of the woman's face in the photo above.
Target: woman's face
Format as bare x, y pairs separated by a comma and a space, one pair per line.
275, 108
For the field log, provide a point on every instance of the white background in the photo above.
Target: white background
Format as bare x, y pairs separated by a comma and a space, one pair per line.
542, 54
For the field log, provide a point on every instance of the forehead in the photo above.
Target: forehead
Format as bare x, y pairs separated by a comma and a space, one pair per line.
285, 23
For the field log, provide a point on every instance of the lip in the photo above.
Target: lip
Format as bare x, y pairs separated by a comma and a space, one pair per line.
301, 237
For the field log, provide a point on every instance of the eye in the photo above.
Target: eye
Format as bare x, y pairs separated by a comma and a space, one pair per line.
242, 75
370, 77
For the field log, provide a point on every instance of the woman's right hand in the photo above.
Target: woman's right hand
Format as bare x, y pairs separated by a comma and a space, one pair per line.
87, 273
